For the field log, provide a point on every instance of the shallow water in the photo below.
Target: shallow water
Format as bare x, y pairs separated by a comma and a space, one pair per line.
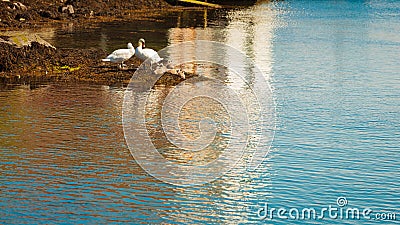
333, 67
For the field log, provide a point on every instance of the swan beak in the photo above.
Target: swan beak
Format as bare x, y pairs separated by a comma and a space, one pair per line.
144, 46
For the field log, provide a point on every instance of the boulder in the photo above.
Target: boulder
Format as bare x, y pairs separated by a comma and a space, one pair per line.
21, 39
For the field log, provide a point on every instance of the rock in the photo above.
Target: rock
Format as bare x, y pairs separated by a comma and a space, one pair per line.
20, 6
13, 57
21, 39
68, 9
15, 6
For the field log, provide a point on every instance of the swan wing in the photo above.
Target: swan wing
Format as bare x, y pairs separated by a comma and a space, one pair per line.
150, 53
122, 53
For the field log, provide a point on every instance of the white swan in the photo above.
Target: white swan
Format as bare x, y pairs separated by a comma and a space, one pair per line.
120, 55
146, 53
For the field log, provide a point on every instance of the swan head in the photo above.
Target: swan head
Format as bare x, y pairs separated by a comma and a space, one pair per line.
130, 46
142, 42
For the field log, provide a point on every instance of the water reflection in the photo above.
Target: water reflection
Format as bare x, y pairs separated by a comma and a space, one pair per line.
63, 151
64, 158
63, 154
249, 30
62, 146
190, 115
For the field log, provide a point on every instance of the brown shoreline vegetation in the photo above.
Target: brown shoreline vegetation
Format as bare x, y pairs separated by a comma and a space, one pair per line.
36, 62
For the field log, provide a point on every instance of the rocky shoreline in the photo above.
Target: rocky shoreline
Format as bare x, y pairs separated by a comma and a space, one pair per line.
36, 61
29, 14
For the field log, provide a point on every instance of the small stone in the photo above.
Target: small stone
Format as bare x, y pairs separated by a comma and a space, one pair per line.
68, 9
182, 75
19, 5
22, 19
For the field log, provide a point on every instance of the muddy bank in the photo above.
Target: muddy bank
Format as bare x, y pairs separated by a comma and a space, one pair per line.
25, 13
36, 63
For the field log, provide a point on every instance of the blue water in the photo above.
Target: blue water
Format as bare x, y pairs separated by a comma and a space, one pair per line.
337, 83
333, 67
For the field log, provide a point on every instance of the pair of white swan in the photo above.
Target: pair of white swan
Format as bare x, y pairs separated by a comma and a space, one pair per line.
121, 55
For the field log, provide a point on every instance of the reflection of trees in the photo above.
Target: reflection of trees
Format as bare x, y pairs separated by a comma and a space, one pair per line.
250, 30
151, 26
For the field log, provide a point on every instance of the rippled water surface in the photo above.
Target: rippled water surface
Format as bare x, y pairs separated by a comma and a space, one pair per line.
334, 71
